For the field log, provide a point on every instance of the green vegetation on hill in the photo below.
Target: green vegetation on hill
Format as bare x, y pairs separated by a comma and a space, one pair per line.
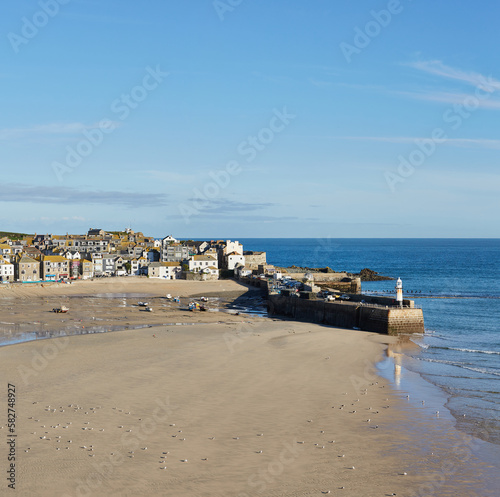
13, 236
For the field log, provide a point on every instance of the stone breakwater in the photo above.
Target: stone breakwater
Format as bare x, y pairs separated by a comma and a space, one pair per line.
366, 317
367, 313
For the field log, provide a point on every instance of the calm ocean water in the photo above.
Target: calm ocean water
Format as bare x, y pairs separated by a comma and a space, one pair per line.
457, 284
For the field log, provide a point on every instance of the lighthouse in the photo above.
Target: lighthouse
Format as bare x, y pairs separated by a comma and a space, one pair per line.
399, 292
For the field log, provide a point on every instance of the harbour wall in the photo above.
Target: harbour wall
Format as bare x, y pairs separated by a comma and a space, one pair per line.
367, 313
366, 317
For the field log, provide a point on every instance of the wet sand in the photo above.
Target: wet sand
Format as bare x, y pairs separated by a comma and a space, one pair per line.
237, 406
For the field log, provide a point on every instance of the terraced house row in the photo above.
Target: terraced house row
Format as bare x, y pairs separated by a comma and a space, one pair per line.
47, 257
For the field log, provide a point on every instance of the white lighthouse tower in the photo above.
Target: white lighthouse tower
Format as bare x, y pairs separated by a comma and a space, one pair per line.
399, 292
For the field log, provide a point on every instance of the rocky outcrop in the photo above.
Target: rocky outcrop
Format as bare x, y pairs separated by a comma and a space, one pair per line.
370, 275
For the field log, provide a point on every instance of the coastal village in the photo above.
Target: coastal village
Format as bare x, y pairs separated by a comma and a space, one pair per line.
49, 258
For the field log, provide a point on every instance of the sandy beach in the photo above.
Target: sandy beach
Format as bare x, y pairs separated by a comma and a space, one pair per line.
229, 405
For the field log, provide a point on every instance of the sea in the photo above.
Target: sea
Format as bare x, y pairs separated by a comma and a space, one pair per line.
457, 284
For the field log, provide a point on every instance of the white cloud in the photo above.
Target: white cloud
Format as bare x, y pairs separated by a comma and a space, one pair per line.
48, 129
437, 68
452, 142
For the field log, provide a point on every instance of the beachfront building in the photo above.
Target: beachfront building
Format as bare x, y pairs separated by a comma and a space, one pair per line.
210, 272
87, 269
75, 268
120, 266
174, 252
108, 264
165, 270
242, 271
135, 267
254, 259
6, 270
230, 261
55, 267
196, 263
97, 263
143, 265
27, 270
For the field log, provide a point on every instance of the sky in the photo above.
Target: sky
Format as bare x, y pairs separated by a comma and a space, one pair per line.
251, 118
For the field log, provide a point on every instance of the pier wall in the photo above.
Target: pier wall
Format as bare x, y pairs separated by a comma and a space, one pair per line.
390, 320
336, 281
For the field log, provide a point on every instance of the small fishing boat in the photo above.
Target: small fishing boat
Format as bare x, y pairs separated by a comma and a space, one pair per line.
63, 309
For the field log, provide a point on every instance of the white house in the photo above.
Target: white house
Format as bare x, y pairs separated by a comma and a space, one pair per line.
198, 262
165, 270
231, 260
97, 261
233, 247
242, 271
6, 270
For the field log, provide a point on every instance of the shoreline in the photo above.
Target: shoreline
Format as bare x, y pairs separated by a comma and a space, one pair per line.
485, 429
234, 381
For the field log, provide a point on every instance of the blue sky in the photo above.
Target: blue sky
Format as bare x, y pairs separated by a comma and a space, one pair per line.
250, 118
